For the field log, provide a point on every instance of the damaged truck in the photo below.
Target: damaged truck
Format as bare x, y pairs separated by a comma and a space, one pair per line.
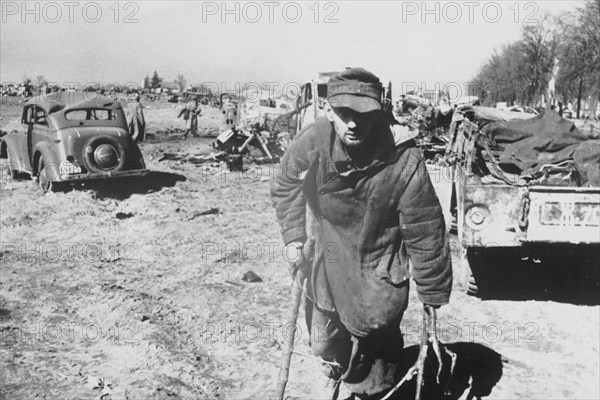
526, 191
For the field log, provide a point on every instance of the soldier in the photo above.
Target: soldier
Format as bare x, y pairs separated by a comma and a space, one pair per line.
190, 113
135, 120
376, 213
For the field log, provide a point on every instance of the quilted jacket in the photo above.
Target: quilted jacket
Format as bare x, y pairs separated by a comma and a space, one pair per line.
375, 226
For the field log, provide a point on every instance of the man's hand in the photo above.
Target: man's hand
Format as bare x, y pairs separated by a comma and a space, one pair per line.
300, 256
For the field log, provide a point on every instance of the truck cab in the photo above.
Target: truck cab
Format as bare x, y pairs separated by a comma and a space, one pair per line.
311, 99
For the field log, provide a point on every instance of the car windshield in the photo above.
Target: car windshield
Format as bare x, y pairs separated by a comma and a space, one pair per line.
91, 114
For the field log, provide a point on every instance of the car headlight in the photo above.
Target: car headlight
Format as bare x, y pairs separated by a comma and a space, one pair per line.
477, 217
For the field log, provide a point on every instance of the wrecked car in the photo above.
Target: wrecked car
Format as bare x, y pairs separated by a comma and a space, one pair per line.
60, 143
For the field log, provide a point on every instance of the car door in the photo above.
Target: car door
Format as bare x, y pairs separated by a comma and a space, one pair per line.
38, 131
24, 137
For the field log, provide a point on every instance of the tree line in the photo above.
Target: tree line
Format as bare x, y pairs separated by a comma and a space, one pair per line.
556, 60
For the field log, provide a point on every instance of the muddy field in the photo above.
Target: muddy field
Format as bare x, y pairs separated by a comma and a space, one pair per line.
134, 291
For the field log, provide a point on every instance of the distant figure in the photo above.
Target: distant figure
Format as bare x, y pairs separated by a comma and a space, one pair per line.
135, 120
560, 108
190, 114
26, 94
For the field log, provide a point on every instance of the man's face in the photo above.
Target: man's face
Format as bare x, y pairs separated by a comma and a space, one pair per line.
351, 126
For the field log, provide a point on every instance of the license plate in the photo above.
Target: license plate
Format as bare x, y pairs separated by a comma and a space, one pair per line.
67, 168
568, 213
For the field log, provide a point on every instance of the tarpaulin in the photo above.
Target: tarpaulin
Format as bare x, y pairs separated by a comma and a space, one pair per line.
547, 124
587, 159
528, 145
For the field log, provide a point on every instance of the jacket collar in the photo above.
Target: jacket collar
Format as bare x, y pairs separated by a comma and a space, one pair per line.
384, 152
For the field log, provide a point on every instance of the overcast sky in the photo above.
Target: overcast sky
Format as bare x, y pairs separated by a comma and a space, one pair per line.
270, 41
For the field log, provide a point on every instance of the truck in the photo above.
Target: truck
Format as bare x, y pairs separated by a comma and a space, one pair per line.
311, 99
505, 220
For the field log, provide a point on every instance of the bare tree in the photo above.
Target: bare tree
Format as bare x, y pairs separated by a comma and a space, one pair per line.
579, 76
40, 83
181, 82
156, 80
501, 78
550, 52
538, 45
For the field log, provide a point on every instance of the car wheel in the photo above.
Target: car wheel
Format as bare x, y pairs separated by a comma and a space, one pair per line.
43, 179
95, 150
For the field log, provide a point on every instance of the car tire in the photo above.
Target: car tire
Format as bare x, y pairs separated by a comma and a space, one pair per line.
90, 147
44, 180
453, 223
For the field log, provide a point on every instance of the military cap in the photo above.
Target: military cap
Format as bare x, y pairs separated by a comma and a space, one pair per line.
355, 88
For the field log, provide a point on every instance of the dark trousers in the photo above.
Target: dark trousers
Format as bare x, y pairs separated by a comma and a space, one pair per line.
369, 365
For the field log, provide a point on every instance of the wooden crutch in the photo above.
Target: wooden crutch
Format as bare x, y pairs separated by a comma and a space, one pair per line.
428, 334
284, 369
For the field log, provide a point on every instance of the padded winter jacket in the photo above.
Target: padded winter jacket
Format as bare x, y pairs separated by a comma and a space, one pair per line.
370, 222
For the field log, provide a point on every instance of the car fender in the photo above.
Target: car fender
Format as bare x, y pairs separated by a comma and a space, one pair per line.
17, 160
51, 160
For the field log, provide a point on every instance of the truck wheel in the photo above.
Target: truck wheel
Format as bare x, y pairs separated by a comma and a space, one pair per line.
491, 271
471, 286
454, 222
467, 279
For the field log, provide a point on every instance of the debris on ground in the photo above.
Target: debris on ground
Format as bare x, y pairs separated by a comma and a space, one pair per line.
251, 277
122, 215
268, 141
201, 213
195, 158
